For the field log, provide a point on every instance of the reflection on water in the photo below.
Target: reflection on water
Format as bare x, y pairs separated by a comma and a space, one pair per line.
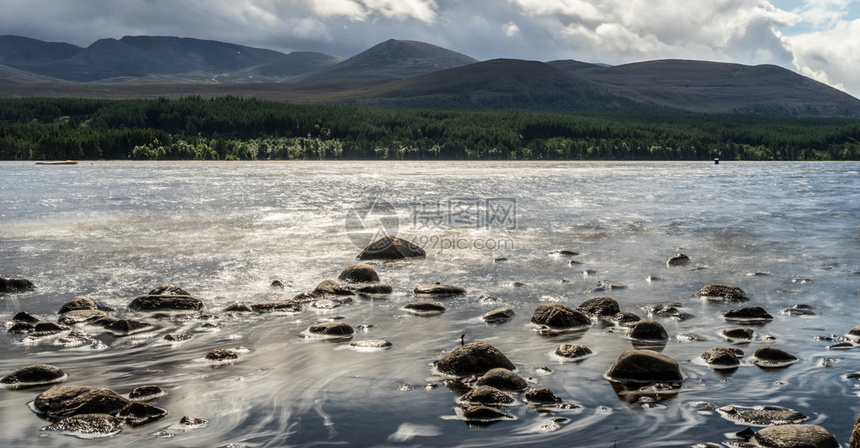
224, 232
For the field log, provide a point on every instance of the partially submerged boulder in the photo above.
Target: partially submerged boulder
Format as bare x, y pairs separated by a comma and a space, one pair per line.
78, 303
723, 357
475, 358
338, 329
88, 425
644, 366
749, 314
137, 413
502, 379
739, 334
222, 355
483, 414
331, 288
166, 298
796, 436
648, 330
359, 273
487, 395
541, 395
391, 248
724, 293
761, 415
424, 308
33, 376
11, 285
678, 260
284, 306
498, 315
146, 393
65, 401
600, 307
770, 357
439, 289
559, 316
572, 352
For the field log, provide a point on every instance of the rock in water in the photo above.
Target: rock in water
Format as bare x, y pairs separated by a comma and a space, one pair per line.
391, 248
486, 395
88, 425
541, 396
648, 330
331, 288
498, 316
65, 401
166, 298
137, 413
222, 355
796, 436
724, 293
723, 357
559, 316
502, 379
854, 442
678, 260
33, 375
439, 289
359, 273
10, 285
481, 413
475, 358
761, 415
750, 314
145, 393
572, 352
338, 329
773, 357
424, 308
600, 307
644, 366
78, 303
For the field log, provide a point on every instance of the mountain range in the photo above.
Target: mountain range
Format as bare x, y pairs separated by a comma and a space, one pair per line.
405, 73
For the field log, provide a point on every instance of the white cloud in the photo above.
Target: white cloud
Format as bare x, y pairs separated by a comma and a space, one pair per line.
423, 10
830, 56
511, 29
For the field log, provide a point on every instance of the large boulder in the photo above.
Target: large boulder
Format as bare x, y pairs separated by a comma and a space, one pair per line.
600, 307
498, 315
573, 352
644, 366
723, 293
166, 298
391, 248
556, 315
33, 375
10, 285
475, 358
78, 303
486, 395
796, 436
359, 273
773, 357
678, 260
65, 401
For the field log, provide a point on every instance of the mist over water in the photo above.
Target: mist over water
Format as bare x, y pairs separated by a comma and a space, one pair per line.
223, 231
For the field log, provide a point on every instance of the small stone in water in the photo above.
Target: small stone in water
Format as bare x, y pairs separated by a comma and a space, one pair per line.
193, 421
221, 354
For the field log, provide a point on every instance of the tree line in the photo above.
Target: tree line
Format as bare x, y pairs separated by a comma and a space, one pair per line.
231, 128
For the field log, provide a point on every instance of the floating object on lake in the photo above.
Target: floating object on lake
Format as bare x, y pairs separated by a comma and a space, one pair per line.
64, 162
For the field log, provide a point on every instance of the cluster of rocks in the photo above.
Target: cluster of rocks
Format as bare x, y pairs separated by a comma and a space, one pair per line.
486, 377
86, 411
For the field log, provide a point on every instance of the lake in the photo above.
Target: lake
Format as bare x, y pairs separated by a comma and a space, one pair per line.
786, 233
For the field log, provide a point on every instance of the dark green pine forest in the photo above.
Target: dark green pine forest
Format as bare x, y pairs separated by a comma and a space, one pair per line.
231, 128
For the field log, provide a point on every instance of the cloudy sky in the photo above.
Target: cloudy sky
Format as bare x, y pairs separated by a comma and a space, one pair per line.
818, 38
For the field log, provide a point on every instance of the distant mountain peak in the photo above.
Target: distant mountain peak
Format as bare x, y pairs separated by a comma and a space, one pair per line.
392, 59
